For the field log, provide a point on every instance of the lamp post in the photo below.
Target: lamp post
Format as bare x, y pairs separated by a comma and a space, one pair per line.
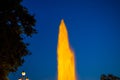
23, 76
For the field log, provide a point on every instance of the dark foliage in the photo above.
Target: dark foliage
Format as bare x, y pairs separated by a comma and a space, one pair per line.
109, 77
15, 21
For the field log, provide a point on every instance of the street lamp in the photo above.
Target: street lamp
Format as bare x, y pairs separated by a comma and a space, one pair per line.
27, 78
23, 76
19, 79
23, 73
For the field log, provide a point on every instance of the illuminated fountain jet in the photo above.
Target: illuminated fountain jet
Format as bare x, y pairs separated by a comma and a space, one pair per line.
65, 56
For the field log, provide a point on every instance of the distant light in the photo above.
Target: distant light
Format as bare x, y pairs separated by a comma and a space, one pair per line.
23, 73
19, 79
27, 78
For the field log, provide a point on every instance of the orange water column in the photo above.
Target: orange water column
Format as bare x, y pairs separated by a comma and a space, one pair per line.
65, 55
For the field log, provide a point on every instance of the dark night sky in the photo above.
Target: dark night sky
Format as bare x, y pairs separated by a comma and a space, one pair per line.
94, 35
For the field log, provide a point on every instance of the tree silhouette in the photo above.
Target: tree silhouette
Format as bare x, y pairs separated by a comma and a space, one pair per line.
15, 22
103, 77
109, 77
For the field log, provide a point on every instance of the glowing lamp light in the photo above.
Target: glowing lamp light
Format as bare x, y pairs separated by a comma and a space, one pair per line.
23, 73
19, 79
23, 76
27, 78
